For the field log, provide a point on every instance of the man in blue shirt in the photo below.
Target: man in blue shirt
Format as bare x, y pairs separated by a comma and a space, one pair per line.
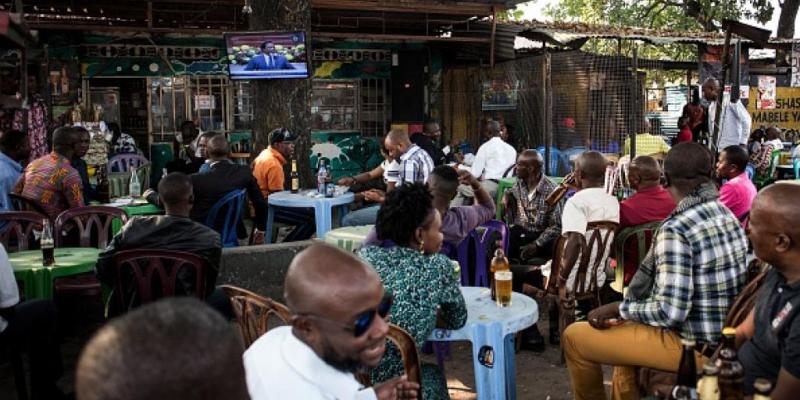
14, 149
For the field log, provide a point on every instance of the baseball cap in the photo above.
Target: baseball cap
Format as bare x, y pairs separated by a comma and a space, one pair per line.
281, 135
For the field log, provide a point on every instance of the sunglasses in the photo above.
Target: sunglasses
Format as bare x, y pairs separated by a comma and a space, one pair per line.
364, 320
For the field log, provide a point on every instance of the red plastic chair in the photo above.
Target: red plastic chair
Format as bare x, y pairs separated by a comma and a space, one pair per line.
148, 275
87, 219
19, 225
126, 162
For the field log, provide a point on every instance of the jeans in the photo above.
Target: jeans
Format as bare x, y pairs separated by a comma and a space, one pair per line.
364, 216
301, 218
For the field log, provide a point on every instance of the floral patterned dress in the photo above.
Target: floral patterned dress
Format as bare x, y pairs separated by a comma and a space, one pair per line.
421, 284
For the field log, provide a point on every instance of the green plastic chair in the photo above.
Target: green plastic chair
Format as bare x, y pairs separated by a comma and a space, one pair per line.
796, 163
763, 180
502, 185
640, 233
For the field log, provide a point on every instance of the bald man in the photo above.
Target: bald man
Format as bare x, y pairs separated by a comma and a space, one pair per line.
172, 231
415, 164
735, 122
772, 330
650, 203
223, 177
327, 341
683, 288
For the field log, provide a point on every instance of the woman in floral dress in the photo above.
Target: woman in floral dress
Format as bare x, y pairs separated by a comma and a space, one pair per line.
423, 281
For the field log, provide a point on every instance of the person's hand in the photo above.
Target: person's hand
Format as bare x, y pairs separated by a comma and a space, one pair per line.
346, 181
529, 251
375, 195
397, 388
258, 237
466, 178
459, 158
605, 316
533, 291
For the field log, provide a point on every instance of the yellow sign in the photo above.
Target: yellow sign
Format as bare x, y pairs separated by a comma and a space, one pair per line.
786, 114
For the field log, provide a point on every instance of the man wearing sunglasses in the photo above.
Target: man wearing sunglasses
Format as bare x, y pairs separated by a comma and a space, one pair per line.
338, 328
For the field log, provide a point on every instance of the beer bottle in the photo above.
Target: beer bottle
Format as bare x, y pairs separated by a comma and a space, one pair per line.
321, 174
47, 245
134, 187
103, 193
499, 263
686, 389
558, 193
731, 372
295, 177
708, 386
762, 389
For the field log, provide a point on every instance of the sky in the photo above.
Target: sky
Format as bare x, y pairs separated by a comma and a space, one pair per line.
534, 10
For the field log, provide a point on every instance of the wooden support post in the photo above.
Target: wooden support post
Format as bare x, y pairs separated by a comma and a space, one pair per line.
494, 31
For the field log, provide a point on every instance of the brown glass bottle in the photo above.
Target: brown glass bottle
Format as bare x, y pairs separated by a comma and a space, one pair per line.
686, 388
499, 263
731, 372
559, 192
708, 386
295, 177
103, 193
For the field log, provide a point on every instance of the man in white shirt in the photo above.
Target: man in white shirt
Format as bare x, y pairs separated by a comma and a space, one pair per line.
736, 122
30, 327
338, 328
493, 160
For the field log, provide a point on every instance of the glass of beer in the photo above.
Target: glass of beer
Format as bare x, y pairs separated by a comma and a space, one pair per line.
502, 288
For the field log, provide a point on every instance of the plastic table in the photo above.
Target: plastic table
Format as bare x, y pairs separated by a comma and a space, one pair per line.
133, 210
323, 208
348, 238
37, 280
491, 330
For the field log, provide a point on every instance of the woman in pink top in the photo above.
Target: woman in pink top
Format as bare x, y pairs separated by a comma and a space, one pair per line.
738, 192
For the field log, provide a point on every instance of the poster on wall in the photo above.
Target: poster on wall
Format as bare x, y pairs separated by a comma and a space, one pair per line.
795, 65
767, 93
785, 115
499, 94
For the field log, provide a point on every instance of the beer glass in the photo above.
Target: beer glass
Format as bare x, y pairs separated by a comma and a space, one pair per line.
502, 283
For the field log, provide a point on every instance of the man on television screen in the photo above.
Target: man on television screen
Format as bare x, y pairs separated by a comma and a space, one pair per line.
269, 59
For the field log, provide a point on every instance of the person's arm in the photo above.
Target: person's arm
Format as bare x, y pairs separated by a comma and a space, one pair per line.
482, 197
73, 189
363, 177
453, 307
746, 329
787, 386
671, 301
479, 163
727, 196
260, 206
745, 123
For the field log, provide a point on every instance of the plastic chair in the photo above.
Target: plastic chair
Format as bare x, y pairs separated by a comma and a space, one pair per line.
502, 186
644, 237
20, 226
153, 274
22, 203
796, 163
763, 180
750, 171
233, 204
482, 238
555, 160
88, 220
253, 312
126, 162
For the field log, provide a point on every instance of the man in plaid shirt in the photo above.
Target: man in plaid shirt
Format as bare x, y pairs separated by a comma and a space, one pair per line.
415, 164
683, 289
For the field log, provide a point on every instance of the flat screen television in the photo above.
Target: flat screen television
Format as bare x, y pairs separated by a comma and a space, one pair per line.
267, 55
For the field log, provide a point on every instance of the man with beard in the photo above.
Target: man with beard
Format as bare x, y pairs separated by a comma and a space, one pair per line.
315, 357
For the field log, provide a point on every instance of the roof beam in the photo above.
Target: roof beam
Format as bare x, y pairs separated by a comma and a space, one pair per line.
393, 38
454, 8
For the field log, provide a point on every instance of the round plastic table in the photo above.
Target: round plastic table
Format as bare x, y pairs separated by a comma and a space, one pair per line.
348, 238
37, 280
491, 330
323, 208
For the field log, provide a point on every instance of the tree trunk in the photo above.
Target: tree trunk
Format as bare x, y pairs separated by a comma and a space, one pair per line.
284, 102
787, 18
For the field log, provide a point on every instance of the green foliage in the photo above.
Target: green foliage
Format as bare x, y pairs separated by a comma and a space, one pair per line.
512, 14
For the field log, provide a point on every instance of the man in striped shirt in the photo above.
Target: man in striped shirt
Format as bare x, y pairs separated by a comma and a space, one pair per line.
683, 289
415, 164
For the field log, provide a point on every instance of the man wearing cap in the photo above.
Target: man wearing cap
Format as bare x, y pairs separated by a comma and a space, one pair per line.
268, 170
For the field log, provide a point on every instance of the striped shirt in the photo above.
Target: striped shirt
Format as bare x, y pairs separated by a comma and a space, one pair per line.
699, 257
415, 166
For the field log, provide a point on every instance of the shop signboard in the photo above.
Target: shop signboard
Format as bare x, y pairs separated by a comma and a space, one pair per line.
795, 65
785, 115
205, 102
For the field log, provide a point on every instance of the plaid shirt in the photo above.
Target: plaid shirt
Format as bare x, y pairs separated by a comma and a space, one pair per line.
699, 259
533, 214
415, 165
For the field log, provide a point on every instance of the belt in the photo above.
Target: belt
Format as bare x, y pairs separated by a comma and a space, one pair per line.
706, 349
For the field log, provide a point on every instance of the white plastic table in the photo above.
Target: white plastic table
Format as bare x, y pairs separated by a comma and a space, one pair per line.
491, 330
322, 208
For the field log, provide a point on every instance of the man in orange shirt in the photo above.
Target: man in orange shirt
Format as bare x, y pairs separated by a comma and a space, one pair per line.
268, 170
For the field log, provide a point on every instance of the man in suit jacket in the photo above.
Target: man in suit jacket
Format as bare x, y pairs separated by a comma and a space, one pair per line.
223, 177
269, 59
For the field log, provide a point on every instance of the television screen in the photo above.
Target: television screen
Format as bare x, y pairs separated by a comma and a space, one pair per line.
267, 55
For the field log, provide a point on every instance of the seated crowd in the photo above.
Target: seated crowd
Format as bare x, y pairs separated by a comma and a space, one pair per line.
683, 287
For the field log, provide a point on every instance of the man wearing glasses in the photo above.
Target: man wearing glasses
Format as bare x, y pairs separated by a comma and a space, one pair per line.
338, 328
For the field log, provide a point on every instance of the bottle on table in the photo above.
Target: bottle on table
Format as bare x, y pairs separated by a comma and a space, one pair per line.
322, 172
686, 387
295, 177
103, 192
762, 389
708, 385
499, 264
330, 188
134, 187
731, 372
47, 244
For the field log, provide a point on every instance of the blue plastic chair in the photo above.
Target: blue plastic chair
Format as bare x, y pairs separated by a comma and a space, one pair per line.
556, 160
233, 205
